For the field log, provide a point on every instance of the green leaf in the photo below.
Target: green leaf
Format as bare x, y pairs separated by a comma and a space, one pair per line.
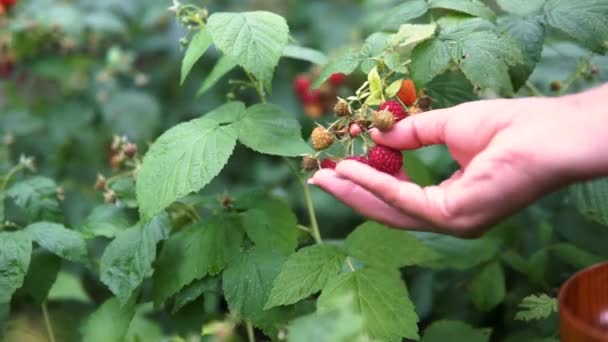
459, 253
191, 292
198, 45
340, 324
406, 11
124, 188
106, 220
142, 328
223, 66
574, 256
133, 113
382, 247
109, 323
194, 252
15, 254
345, 63
305, 273
37, 196
272, 225
68, 287
375, 88
536, 307
521, 7
382, 300
416, 170
591, 199
472, 7
429, 59
128, 259
254, 40
450, 89
530, 35
228, 113
373, 47
57, 239
305, 54
412, 34
183, 160
247, 283
264, 125
445, 330
488, 287
41, 275
584, 20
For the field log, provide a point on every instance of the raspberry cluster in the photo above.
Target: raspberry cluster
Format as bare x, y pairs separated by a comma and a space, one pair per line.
317, 102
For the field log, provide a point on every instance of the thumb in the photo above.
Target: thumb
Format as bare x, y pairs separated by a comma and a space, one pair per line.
416, 131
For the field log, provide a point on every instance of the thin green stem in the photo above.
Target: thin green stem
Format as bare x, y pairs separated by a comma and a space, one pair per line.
10, 175
304, 228
250, 335
350, 264
47, 322
533, 89
258, 86
314, 225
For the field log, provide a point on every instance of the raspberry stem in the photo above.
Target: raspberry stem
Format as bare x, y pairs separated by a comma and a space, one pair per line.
314, 225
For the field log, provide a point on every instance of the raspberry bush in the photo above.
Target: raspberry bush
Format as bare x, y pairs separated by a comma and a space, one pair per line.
153, 169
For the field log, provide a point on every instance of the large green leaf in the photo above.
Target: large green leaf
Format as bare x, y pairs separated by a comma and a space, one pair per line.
41, 275
429, 59
198, 45
591, 199
305, 54
184, 159
272, 225
488, 286
194, 252
37, 196
106, 220
254, 40
191, 292
417, 170
247, 283
393, 17
475, 8
521, 7
223, 66
65, 243
445, 330
128, 259
381, 298
373, 47
109, 323
584, 20
306, 272
380, 246
574, 256
411, 34
345, 63
450, 89
15, 254
459, 253
268, 129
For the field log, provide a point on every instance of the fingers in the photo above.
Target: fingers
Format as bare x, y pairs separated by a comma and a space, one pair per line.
363, 201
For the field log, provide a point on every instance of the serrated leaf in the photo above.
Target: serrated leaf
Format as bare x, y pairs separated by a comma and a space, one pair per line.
305, 273
375, 88
110, 322
381, 298
393, 89
536, 307
591, 199
272, 225
459, 253
450, 89
37, 196
417, 170
521, 7
194, 252
380, 246
530, 35
128, 259
445, 330
488, 287
191, 292
57, 239
412, 34
247, 283
373, 47
105, 220
15, 254
305, 54
475, 8
404, 12
429, 59
183, 160
196, 49
223, 66
124, 188
584, 20
574, 256
254, 40
345, 63
263, 125
41, 275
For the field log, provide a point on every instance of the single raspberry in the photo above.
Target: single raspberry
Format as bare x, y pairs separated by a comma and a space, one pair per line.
354, 129
385, 159
337, 79
9, 3
321, 138
555, 86
393, 106
328, 164
407, 93
309, 163
415, 110
425, 103
383, 120
301, 84
341, 108
312, 96
360, 159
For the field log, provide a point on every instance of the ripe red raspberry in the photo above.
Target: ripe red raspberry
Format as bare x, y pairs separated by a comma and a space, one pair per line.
301, 85
328, 164
337, 79
394, 107
360, 159
8, 3
385, 159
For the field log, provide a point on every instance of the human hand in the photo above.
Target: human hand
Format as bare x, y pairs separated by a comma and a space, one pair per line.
511, 152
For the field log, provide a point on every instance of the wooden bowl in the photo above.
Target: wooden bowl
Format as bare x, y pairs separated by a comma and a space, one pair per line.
583, 306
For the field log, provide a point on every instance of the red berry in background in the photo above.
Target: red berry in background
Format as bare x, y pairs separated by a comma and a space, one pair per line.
407, 93
393, 106
2, 9
9, 3
337, 79
360, 159
6, 67
301, 85
385, 159
328, 164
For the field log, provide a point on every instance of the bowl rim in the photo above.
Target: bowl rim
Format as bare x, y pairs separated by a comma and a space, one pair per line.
582, 325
